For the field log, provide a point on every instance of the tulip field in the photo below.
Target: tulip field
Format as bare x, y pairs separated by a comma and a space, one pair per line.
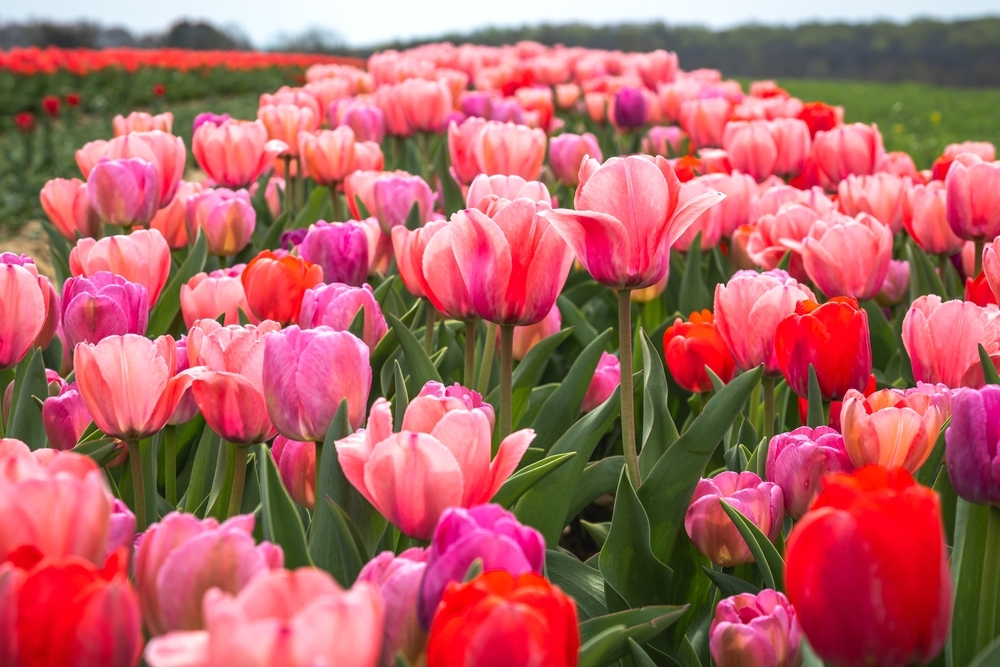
521, 356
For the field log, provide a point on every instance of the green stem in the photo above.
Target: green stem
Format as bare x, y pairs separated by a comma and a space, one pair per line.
506, 379
768, 385
483, 386
170, 464
289, 187
335, 198
628, 407
826, 412
239, 469
980, 244
429, 328
470, 353
990, 582
138, 488
316, 497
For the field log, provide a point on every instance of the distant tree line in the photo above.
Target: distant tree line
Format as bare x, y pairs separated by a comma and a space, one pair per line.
182, 35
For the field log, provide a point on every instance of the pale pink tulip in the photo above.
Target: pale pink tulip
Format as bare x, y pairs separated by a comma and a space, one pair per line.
234, 153
140, 121
66, 205
527, 337
140, 257
900, 164
208, 295
285, 121
880, 195
368, 155
668, 142
794, 143
704, 120
846, 150
170, 220
848, 256
973, 202
510, 150
567, 95
460, 147
504, 187
394, 197
942, 340
22, 311
925, 217
751, 147
597, 106
327, 156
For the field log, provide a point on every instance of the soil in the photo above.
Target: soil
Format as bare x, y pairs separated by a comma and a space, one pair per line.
30, 239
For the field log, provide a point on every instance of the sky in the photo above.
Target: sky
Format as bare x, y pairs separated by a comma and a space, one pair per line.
367, 22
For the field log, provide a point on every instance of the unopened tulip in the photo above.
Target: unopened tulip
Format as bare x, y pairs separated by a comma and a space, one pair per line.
833, 339
597, 105
234, 153
759, 630
226, 218
367, 120
691, 346
412, 476
209, 117
607, 377
300, 97
65, 418
394, 196
165, 151
792, 138
503, 187
539, 626
880, 195
67, 207
846, 150
768, 240
22, 303
668, 142
855, 604
984, 149
426, 104
296, 463
340, 249
509, 149
714, 533
488, 533
141, 257
328, 155
285, 121
848, 256
514, 263
408, 248
821, 117
896, 285
460, 148
751, 147
368, 156
171, 221
208, 295
889, 429
704, 120
797, 462
398, 579
566, 153
926, 219
901, 164
721, 220
527, 337
124, 192
973, 201
103, 305
443, 282
274, 287
942, 340
180, 558
567, 95
294, 618
629, 109
747, 312
140, 121
336, 305
626, 219
971, 445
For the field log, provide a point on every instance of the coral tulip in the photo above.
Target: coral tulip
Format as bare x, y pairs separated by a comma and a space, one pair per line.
751, 147
704, 120
607, 377
867, 571
527, 337
509, 149
208, 295
973, 201
792, 139
285, 121
165, 151
140, 121
234, 153
67, 207
296, 463
426, 104
566, 153
846, 150
942, 340
408, 248
714, 533
721, 220
124, 192
461, 140
799, 459
336, 305
340, 249
755, 630
328, 155
22, 311
171, 221
102, 305
691, 346
274, 287
880, 195
440, 459
141, 257
848, 256
226, 218
889, 429
442, 282
926, 219
398, 579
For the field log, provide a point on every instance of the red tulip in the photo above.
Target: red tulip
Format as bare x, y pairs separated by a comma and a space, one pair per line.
274, 287
821, 117
691, 346
867, 570
833, 338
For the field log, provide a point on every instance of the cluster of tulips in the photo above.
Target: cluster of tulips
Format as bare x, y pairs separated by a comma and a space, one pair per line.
314, 403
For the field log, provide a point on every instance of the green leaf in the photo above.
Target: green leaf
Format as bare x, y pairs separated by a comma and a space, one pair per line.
598, 651
769, 562
627, 561
977, 532
639, 656
357, 326
785, 261
640, 625
924, 279
666, 492
883, 342
694, 294
270, 240
816, 417
453, 199
583, 330
280, 519
413, 220
25, 420
313, 209
597, 531
529, 372
422, 369
929, 470
658, 428
578, 580
169, 304
519, 483
402, 399
989, 370
202, 472
598, 478
989, 656
60, 266
563, 405
728, 584
346, 544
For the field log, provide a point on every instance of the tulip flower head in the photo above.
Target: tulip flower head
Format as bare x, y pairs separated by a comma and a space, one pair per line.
274, 287
942, 339
691, 346
889, 428
102, 305
972, 445
799, 459
757, 629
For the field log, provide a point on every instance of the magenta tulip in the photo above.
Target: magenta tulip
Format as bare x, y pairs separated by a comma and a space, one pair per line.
759, 630
398, 579
340, 248
336, 305
102, 305
606, 379
65, 417
798, 460
124, 192
394, 196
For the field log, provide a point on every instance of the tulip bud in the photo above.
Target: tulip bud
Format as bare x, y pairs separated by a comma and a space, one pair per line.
756, 631
336, 305
208, 295
24, 304
274, 287
367, 121
605, 382
124, 192
66, 204
692, 345
226, 218
566, 153
666, 141
394, 196
509, 149
629, 108
896, 285
296, 463
340, 249
103, 305
798, 460
973, 201
65, 418
398, 579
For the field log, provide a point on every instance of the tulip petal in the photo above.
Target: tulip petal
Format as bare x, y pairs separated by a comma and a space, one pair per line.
508, 456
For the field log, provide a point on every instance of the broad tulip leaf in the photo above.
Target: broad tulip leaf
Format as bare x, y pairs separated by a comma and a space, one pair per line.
583, 330
25, 419
728, 584
815, 416
924, 279
640, 625
989, 656
975, 598
529, 371
658, 428
597, 531
413, 220
270, 239
519, 483
280, 520
162, 316
578, 580
598, 478
883, 343
536, 400
768, 560
639, 656
344, 543
402, 399
929, 470
989, 370
421, 367
598, 651
694, 296
313, 210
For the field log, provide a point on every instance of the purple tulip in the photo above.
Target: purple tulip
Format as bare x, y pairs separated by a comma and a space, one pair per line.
506, 110
607, 377
103, 305
711, 529
291, 238
340, 248
630, 108
971, 445
121, 528
476, 103
65, 418
756, 631
124, 192
798, 460
209, 117
394, 196
486, 532
398, 579
335, 305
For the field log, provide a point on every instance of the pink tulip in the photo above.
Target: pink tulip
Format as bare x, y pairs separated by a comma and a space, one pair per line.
504, 187
65, 418
769, 239
889, 428
229, 391
170, 220
752, 148
394, 196
626, 219
926, 219
67, 207
846, 150
408, 247
942, 339
328, 155
273, 195
300, 618
711, 529
388, 99
180, 558
124, 192
900, 164
426, 104
527, 337
991, 266
141, 257
770, 200
791, 136
208, 295
880, 195
285, 121
163, 150
398, 579
368, 156
567, 151
103, 305
300, 97
140, 121
359, 186
721, 220
510, 150
336, 305
443, 283
896, 285
55, 504
234, 153
22, 304
704, 120
367, 120
460, 147
440, 459
798, 460
226, 218
848, 256
668, 142
567, 95
973, 201
307, 373
747, 311
605, 382
341, 249
756, 631
296, 463
597, 106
